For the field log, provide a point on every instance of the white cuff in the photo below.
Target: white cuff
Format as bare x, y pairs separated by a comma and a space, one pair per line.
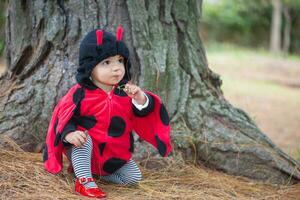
138, 106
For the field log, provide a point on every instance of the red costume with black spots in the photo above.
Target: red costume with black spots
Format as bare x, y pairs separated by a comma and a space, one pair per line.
110, 118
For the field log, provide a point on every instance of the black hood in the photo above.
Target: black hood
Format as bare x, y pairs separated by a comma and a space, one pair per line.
90, 54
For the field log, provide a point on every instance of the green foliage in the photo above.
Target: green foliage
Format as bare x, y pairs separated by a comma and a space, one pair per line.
234, 14
292, 3
236, 20
246, 23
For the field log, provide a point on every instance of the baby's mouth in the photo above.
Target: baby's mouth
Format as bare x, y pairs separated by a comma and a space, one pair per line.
116, 76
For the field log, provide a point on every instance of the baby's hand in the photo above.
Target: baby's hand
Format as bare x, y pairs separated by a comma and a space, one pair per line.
135, 92
77, 138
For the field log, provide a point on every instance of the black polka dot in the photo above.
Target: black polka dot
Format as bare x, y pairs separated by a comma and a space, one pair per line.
164, 117
78, 95
45, 153
113, 164
119, 92
76, 110
55, 126
131, 148
87, 122
57, 139
162, 148
101, 148
77, 98
116, 127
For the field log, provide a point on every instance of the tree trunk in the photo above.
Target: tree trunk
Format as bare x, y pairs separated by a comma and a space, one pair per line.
168, 58
287, 30
275, 40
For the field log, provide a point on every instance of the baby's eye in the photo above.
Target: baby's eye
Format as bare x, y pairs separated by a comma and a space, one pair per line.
106, 62
121, 60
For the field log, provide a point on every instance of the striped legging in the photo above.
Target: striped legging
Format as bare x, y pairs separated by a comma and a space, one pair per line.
81, 161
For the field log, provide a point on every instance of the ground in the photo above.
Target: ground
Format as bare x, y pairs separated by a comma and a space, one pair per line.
267, 87
22, 176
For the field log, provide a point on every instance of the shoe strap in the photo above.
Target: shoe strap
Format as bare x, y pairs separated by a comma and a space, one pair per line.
85, 180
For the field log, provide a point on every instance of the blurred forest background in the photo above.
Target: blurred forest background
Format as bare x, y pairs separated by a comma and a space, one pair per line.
255, 47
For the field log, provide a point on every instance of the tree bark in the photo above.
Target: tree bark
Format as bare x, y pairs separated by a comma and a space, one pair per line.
275, 39
168, 58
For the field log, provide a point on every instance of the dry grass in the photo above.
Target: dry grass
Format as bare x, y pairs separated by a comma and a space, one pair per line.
22, 176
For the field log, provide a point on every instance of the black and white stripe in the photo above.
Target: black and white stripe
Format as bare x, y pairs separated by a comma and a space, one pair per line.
128, 174
81, 161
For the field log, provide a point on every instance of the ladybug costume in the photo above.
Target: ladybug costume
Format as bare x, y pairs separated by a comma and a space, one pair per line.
110, 118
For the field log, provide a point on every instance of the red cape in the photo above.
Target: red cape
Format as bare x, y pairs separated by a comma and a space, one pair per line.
110, 120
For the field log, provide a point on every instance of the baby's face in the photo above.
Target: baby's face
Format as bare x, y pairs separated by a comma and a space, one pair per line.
109, 71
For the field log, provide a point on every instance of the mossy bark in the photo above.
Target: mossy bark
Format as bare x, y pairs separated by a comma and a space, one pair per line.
168, 58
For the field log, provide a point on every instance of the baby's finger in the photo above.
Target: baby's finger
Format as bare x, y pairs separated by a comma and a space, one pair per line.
135, 90
79, 141
84, 135
82, 139
127, 90
126, 86
81, 134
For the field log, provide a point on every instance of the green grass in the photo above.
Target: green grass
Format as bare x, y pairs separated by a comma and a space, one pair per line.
232, 62
242, 52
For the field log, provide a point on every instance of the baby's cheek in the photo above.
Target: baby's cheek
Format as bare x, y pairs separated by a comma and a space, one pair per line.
123, 73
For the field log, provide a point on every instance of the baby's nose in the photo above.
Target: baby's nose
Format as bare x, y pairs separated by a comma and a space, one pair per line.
116, 68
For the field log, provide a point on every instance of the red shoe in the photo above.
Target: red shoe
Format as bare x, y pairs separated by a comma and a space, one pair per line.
88, 192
